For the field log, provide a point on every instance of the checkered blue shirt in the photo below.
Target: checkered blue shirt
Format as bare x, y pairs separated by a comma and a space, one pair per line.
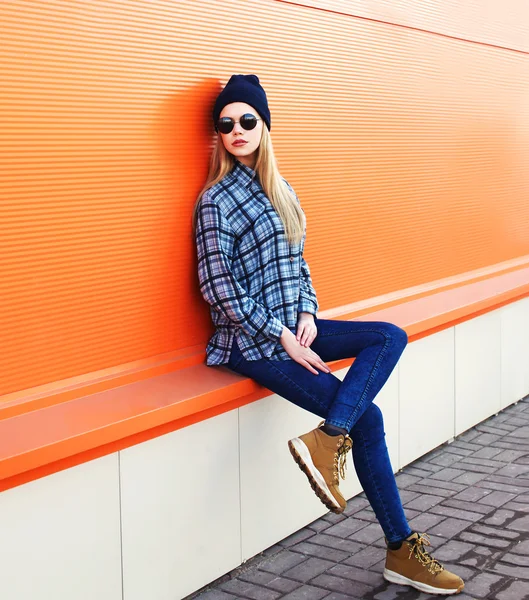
254, 280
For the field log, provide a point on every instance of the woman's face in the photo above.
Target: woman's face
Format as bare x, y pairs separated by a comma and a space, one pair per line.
246, 153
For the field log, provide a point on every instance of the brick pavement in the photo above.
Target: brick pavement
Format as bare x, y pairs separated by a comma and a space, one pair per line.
471, 496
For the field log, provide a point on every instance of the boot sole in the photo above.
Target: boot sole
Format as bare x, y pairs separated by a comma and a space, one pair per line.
301, 455
393, 577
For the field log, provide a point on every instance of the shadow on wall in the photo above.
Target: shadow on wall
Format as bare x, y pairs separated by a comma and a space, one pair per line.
184, 135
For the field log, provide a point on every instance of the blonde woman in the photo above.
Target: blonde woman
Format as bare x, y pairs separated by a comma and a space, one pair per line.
250, 234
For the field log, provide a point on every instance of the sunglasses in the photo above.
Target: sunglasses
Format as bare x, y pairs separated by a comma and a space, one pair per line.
247, 121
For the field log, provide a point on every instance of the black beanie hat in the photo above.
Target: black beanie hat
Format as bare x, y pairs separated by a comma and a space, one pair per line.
243, 88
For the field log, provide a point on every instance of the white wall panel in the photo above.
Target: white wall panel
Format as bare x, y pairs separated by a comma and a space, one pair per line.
60, 535
180, 510
276, 497
477, 370
426, 395
514, 351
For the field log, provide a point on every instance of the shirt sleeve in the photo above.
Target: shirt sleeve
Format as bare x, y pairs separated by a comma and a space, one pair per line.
307, 295
215, 244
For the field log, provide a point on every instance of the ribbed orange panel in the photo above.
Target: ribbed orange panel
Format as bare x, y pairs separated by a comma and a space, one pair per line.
408, 150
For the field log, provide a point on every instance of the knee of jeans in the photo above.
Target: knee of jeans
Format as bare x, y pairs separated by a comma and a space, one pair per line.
399, 336
369, 429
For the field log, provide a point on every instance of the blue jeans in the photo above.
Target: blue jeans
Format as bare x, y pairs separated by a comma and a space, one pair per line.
377, 347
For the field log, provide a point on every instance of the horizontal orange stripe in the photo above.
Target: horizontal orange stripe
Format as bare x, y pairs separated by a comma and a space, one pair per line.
43, 441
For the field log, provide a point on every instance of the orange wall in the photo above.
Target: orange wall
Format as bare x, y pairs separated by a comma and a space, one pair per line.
404, 130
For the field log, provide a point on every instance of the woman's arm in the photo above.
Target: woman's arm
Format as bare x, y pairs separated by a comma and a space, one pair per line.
215, 243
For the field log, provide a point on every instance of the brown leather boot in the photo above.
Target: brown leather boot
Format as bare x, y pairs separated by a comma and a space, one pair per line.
322, 458
412, 565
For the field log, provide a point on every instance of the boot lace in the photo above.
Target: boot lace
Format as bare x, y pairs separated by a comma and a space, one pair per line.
417, 548
340, 458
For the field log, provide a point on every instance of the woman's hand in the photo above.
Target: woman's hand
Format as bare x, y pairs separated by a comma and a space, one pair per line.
302, 355
306, 331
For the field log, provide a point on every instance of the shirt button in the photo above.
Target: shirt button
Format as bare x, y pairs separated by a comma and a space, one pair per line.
291, 259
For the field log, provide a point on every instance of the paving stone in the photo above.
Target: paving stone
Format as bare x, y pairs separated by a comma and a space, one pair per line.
521, 548
366, 515
513, 470
501, 487
514, 481
336, 596
355, 504
462, 445
343, 586
513, 446
280, 584
367, 557
425, 522
496, 532
417, 472
427, 489
447, 474
496, 499
449, 511
487, 463
249, 590
306, 592
326, 552
476, 538
453, 550
281, 562
349, 546
470, 478
214, 595
472, 494
427, 466
521, 524
404, 480
465, 573
499, 517
517, 590
308, 569
472, 506
450, 527
512, 571
445, 460
488, 452
482, 584
407, 495
469, 435
299, 536
517, 507
319, 525
356, 574
369, 534
346, 528
515, 559
331, 517
424, 502
520, 432
485, 439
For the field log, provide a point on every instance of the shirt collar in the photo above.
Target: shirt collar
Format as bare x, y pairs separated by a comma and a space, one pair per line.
244, 174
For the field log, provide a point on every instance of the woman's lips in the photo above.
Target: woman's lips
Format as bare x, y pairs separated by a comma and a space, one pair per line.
239, 143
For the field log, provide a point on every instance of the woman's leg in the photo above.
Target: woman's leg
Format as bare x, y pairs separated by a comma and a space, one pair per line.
318, 394
375, 473
377, 347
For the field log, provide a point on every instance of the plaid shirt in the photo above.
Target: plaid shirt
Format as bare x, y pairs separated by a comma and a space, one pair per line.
254, 280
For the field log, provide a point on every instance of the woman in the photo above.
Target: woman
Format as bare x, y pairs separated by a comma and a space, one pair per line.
250, 234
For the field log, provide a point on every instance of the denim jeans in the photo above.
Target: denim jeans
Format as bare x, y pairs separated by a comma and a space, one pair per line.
377, 347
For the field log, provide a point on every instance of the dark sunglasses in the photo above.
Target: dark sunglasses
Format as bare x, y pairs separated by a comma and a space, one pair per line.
247, 121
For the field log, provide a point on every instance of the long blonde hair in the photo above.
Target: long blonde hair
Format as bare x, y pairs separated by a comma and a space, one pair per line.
280, 196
